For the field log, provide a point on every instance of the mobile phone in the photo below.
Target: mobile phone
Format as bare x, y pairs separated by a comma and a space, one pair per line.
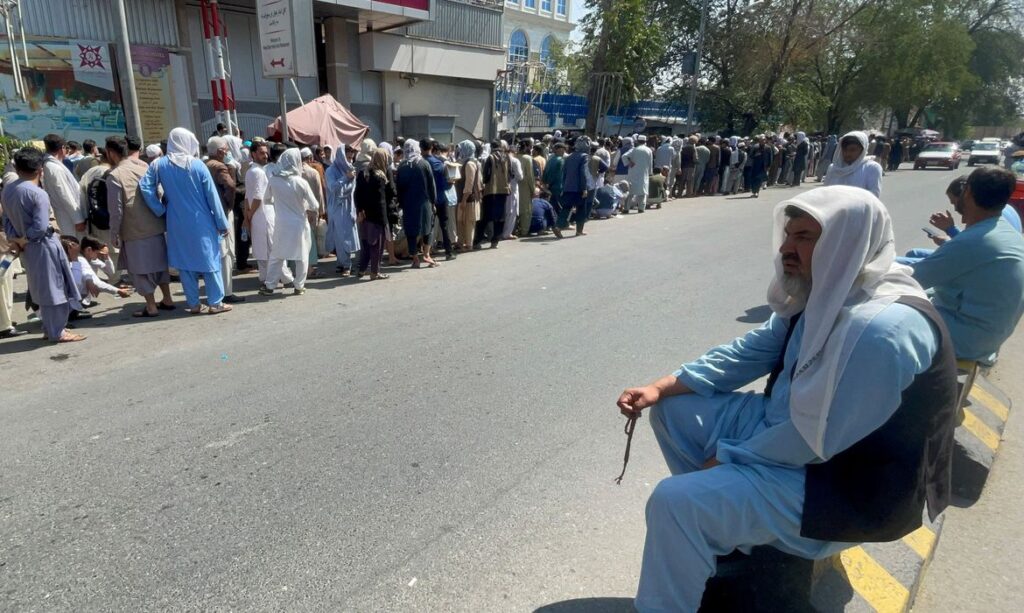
931, 233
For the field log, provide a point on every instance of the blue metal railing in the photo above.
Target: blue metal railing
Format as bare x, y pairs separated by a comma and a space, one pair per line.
572, 107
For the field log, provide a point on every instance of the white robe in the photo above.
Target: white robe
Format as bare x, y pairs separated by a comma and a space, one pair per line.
292, 239
639, 176
262, 231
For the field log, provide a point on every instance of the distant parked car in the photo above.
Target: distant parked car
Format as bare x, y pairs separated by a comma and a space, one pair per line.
938, 154
967, 145
985, 152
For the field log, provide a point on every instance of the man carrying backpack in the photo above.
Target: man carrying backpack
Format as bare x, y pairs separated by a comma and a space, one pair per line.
93, 185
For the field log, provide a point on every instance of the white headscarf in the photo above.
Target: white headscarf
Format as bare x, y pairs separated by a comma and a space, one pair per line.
466, 151
154, 151
800, 137
290, 163
411, 150
855, 276
366, 149
182, 147
839, 166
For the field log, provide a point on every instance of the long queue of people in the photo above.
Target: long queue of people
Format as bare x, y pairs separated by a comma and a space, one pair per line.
170, 212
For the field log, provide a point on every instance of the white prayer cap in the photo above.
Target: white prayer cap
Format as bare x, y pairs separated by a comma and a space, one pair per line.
306, 152
154, 151
641, 139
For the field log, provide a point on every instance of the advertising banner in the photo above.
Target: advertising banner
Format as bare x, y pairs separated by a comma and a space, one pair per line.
153, 86
70, 92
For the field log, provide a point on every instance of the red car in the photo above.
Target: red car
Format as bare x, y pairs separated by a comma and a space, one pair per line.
946, 155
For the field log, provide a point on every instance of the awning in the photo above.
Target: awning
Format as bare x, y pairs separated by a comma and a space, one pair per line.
323, 121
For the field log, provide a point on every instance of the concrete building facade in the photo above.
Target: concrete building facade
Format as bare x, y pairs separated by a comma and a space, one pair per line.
531, 26
417, 68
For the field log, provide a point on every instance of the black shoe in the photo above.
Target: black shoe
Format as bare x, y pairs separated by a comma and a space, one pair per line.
449, 257
76, 315
494, 245
12, 333
477, 247
233, 299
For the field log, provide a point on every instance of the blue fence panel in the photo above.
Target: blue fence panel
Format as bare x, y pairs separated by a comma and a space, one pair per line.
572, 107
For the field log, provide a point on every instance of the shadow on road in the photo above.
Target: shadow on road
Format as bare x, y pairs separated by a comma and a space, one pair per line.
756, 315
589, 605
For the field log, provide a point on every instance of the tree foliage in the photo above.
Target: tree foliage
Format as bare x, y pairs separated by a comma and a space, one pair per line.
820, 64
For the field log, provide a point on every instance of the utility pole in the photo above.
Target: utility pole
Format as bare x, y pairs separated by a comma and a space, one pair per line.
133, 119
696, 68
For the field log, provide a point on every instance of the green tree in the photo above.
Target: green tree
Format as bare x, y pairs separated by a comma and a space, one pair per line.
624, 37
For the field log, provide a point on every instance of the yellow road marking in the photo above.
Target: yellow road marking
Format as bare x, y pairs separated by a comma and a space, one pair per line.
980, 430
921, 541
874, 584
990, 402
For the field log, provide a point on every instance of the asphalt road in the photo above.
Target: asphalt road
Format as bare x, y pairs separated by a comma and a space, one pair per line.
442, 441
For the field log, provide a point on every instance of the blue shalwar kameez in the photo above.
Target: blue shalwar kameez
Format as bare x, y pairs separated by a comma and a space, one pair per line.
195, 223
342, 232
27, 215
756, 495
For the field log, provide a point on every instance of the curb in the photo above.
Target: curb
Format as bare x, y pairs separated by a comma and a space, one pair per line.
885, 577
977, 438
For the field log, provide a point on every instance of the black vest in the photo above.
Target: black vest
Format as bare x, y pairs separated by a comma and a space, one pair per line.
876, 490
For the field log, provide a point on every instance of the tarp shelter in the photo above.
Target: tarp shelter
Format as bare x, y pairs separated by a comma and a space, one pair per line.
323, 121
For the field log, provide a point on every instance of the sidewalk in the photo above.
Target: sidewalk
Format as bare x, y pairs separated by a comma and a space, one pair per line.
978, 563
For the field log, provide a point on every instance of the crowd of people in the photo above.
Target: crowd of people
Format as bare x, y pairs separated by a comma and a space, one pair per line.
180, 211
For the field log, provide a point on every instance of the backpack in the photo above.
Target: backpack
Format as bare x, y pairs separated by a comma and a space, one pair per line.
98, 213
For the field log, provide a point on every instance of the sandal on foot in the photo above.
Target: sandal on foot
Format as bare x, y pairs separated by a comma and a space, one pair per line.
144, 313
222, 308
69, 337
198, 310
165, 307
380, 276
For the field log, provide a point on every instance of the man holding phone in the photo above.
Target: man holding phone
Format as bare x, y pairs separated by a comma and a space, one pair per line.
977, 280
943, 220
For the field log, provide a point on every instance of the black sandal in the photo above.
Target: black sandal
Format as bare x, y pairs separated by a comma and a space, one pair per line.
165, 307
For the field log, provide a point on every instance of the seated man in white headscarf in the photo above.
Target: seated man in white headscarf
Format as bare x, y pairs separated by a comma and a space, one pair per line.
851, 166
853, 433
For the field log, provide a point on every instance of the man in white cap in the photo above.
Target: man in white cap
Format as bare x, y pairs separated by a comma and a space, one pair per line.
853, 434
153, 151
640, 162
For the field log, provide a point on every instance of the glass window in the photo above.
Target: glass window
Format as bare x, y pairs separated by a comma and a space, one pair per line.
512, 2
530, 4
518, 47
545, 5
559, 6
545, 52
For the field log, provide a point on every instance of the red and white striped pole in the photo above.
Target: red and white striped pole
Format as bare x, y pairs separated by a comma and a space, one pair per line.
215, 36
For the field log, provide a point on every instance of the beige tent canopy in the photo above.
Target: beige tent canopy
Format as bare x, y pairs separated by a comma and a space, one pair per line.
323, 121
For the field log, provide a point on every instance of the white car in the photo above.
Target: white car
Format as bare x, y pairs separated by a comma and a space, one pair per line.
985, 152
946, 155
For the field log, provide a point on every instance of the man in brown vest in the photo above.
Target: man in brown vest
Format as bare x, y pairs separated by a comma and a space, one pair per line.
853, 434
135, 230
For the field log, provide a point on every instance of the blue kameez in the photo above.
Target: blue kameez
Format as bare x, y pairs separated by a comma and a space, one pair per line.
195, 221
756, 495
342, 233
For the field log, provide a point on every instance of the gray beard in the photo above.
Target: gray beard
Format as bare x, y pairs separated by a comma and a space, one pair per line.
797, 287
